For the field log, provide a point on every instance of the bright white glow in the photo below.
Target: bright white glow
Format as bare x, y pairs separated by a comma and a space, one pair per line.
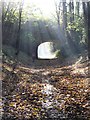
45, 51
46, 6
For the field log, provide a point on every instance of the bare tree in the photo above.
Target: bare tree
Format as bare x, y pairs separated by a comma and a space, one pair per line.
18, 35
64, 18
77, 8
88, 9
85, 13
71, 11
61, 35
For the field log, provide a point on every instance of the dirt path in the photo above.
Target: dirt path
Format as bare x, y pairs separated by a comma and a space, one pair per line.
46, 93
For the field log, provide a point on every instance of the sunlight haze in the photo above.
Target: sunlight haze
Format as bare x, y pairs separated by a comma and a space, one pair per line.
46, 6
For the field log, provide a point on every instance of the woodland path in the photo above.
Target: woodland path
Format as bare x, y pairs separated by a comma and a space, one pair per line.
57, 93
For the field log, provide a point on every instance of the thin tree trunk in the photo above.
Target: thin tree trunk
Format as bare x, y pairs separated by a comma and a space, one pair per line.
71, 10
88, 30
18, 37
65, 18
85, 15
77, 8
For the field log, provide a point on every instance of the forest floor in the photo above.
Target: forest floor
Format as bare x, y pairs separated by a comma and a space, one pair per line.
50, 93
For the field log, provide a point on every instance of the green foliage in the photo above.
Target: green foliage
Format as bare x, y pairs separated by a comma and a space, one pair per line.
58, 55
10, 12
78, 27
36, 29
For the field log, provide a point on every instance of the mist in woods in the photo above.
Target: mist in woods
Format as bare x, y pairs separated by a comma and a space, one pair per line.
25, 27
45, 59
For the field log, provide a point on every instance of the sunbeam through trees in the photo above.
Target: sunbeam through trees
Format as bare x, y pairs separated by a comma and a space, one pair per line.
45, 60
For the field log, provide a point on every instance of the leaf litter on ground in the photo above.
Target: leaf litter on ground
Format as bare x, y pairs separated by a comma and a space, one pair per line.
30, 93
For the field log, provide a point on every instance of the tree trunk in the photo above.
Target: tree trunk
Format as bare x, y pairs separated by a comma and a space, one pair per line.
18, 37
88, 30
64, 18
77, 8
71, 10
